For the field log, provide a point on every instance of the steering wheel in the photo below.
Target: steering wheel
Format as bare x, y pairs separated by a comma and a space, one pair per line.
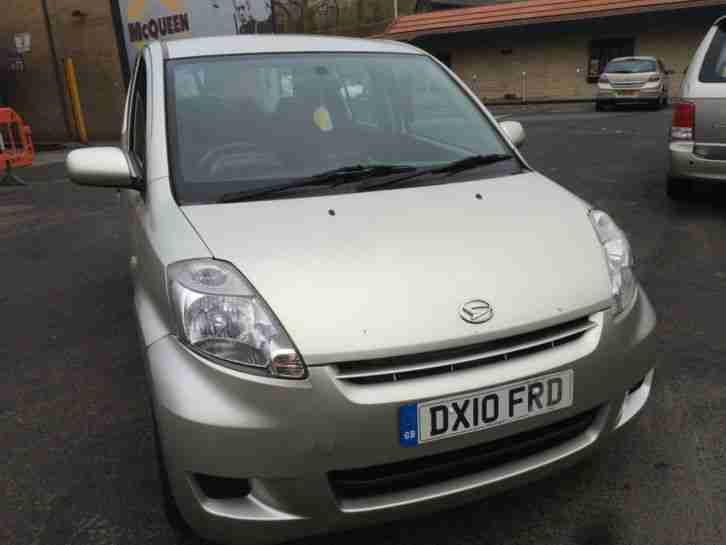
208, 160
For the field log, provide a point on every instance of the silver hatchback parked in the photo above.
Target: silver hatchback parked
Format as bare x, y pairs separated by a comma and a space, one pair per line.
698, 136
356, 300
634, 80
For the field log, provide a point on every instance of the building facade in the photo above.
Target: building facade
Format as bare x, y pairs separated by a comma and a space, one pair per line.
82, 30
534, 50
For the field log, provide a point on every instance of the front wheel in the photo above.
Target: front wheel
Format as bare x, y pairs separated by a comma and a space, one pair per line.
679, 189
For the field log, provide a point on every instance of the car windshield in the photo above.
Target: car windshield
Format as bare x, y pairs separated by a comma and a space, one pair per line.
258, 122
631, 66
714, 64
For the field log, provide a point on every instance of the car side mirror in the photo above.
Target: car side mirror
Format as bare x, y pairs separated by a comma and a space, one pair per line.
515, 132
101, 167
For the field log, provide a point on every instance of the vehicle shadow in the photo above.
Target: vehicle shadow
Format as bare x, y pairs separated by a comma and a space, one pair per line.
706, 197
635, 107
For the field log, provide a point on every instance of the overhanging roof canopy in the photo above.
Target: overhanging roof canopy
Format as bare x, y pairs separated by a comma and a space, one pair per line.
470, 3
526, 13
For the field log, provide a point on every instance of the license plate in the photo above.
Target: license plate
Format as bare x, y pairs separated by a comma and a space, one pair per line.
443, 418
628, 93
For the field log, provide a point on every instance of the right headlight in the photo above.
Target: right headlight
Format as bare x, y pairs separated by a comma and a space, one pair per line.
221, 316
619, 259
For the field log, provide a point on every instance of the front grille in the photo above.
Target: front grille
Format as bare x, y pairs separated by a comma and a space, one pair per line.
627, 84
456, 359
428, 470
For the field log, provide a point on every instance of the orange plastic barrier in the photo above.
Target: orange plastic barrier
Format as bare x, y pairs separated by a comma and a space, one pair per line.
16, 143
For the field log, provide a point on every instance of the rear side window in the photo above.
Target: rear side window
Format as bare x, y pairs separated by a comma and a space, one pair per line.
631, 66
713, 69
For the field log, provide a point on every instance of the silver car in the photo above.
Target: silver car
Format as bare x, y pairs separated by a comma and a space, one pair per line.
633, 80
698, 136
357, 306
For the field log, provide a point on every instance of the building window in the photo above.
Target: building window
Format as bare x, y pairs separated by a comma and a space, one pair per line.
445, 57
603, 51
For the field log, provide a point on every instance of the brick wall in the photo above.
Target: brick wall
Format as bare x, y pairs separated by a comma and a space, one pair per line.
34, 92
91, 42
555, 57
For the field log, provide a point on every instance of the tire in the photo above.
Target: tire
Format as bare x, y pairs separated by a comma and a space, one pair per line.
662, 102
678, 188
599, 106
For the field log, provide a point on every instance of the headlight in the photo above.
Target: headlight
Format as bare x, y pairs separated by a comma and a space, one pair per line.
219, 314
619, 259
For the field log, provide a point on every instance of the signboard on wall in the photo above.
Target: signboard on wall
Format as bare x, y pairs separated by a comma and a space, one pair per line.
22, 42
141, 21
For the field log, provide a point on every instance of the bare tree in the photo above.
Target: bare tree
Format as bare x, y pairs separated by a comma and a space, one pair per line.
327, 13
305, 14
350, 17
295, 12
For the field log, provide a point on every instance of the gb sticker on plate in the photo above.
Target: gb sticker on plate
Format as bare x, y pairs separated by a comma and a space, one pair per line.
408, 423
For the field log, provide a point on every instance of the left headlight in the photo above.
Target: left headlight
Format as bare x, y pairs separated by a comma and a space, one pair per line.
619, 259
219, 314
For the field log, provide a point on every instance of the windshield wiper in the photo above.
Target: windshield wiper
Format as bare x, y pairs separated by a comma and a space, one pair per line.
467, 163
330, 179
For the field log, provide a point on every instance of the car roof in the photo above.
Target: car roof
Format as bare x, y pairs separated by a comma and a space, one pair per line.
276, 43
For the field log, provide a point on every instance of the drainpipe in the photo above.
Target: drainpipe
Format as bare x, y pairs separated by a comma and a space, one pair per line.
56, 68
524, 87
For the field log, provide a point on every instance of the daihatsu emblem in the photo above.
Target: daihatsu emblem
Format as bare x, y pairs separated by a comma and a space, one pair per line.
476, 312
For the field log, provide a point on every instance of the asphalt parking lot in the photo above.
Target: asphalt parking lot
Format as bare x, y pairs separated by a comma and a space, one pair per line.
77, 461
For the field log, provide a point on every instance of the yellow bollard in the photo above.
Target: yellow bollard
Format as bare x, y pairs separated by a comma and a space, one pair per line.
75, 100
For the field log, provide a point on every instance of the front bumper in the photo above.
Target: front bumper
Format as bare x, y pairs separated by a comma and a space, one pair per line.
685, 163
612, 95
285, 438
